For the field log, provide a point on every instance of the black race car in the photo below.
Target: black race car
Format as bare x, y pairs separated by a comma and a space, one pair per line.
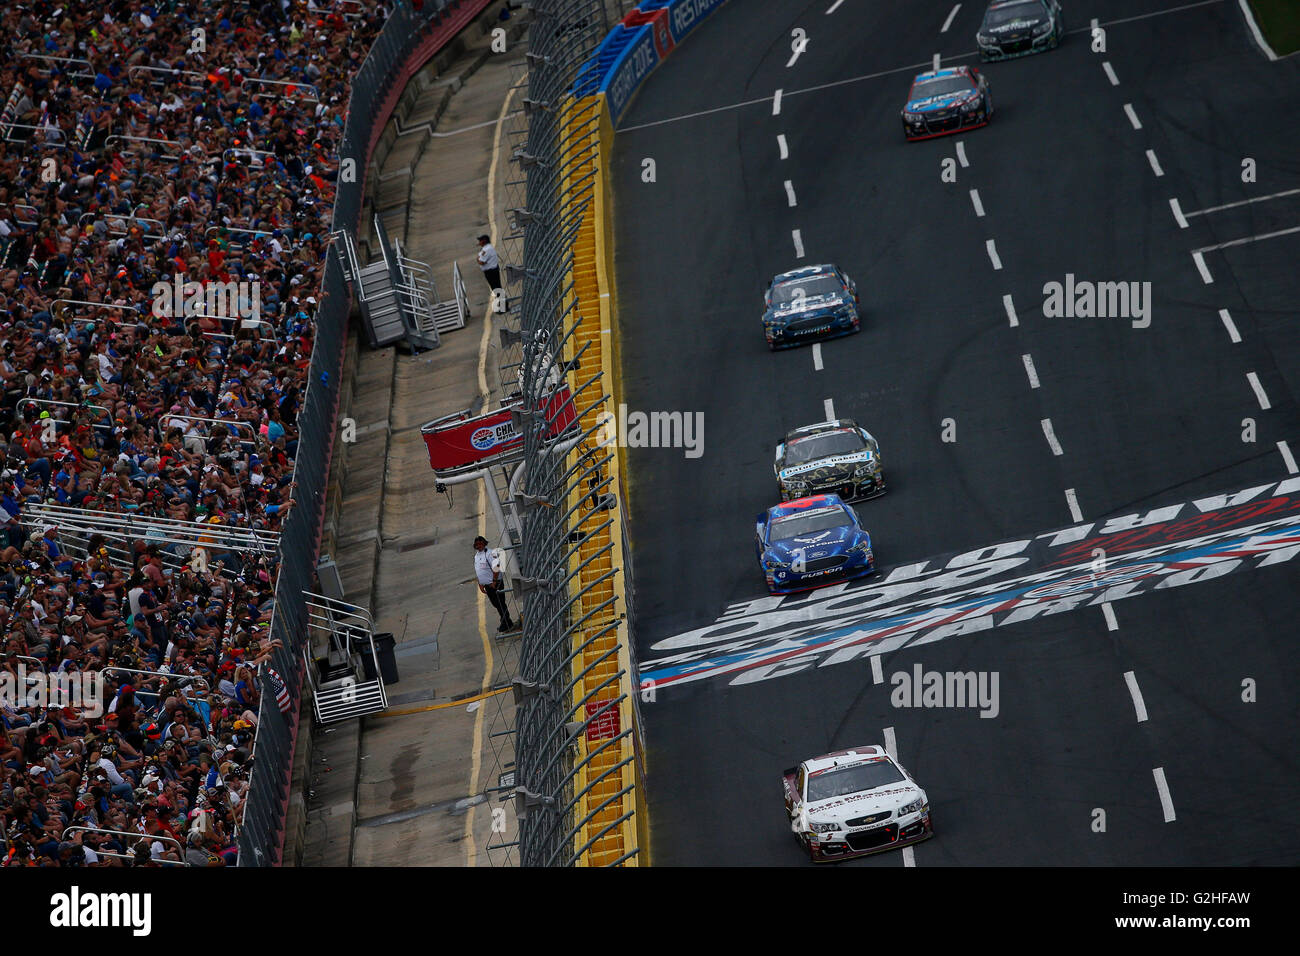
1013, 28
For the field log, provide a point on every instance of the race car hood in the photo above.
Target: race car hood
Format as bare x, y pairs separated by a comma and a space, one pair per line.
819, 544
819, 467
811, 306
942, 102
1021, 25
889, 797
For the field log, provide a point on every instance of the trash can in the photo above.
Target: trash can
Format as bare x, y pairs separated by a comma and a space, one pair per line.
385, 645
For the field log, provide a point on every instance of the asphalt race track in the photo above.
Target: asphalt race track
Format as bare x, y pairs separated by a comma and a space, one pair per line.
1126, 419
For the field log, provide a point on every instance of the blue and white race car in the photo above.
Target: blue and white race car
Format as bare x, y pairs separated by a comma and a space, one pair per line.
813, 302
946, 101
811, 542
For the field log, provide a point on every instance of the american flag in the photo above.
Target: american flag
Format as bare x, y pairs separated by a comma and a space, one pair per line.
281, 691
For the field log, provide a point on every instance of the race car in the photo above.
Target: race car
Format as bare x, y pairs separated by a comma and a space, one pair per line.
854, 802
1013, 28
833, 456
813, 302
811, 542
945, 101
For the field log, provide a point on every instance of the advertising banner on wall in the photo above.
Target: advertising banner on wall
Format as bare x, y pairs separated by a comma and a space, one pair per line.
632, 66
685, 15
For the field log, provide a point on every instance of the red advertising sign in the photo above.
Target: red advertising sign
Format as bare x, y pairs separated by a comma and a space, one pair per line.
460, 440
606, 725
663, 36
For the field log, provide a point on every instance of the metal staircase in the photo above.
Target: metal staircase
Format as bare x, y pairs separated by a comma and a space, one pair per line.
391, 293
342, 684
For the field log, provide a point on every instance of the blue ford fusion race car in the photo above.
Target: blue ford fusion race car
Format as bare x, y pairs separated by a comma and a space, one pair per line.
945, 101
813, 302
811, 542
1013, 28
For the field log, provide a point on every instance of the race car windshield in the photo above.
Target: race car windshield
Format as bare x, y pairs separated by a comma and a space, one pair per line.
839, 783
823, 446
796, 526
1030, 9
788, 292
944, 86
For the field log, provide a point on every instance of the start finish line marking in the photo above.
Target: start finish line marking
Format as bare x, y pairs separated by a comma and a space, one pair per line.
1006, 583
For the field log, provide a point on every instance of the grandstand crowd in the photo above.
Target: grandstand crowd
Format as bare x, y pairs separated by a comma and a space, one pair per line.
141, 141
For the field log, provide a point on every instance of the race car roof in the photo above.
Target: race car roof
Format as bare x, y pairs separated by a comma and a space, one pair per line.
805, 431
805, 504
844, 758
805, 272
942, 74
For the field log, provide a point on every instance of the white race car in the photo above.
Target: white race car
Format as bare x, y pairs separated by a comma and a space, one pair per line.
854, 802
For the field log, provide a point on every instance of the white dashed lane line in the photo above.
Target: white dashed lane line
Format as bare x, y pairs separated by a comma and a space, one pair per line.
1202, 268
1230, 325
780, 142
828, 406
833, 7
1030, 370
961, 154
1287, 459
1050, 434
951, 16
877, 674
993, 254
1072, 500
1178, 214
817, 356
1011, 310
798, 243
1132, 116
936, 61
789, 194
1110, 73
1162, 787
1259, 391
799, 47
1155, 163
1108, 612
1136, 692
975, 201
776, 103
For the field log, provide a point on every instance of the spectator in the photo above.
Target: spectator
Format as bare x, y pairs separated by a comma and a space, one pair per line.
125, 398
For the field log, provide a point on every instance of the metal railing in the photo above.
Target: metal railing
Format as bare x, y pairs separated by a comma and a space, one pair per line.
459, 293
350, 632
136, 837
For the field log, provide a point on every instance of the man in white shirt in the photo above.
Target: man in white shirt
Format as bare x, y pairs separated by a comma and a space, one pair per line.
488, 572
489, 262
